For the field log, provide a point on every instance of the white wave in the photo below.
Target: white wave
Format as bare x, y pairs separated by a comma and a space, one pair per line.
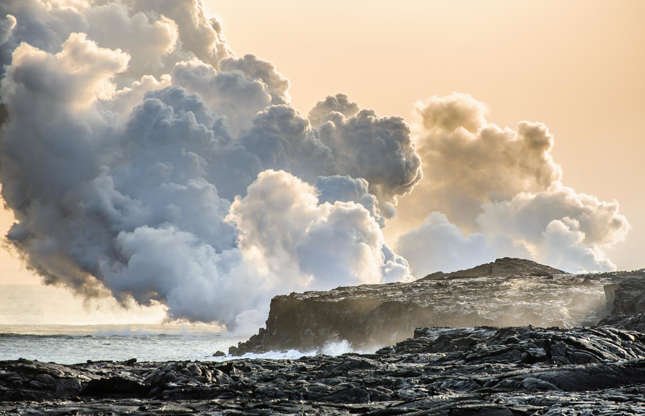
333, 349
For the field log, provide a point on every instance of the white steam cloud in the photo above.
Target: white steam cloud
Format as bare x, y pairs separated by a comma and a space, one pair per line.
141, 156
500, 193
7, 24
143, 161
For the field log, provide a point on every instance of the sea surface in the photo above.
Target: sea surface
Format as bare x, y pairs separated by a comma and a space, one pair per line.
565, 301
70, 344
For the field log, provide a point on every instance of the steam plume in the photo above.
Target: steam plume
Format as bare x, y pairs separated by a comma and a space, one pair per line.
500, 192
143, 163
152, 162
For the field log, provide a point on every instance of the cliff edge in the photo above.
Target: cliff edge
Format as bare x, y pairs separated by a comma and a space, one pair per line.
506, 292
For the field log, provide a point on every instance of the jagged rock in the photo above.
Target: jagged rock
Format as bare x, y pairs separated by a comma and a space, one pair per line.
526, 345
635, 322
117, 386
33, 380
507, 292
439, 371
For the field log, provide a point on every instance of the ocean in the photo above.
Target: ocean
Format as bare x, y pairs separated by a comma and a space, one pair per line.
565, 301
70, 344
24, 308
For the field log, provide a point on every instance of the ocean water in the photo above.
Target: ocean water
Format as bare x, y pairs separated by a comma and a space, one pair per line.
566, 301
73, 344
68, 344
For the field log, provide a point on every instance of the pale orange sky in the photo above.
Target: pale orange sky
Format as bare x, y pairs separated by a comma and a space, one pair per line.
576, 65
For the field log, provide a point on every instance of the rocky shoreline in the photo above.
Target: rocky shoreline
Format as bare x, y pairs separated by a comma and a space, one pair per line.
439, 371
435, 370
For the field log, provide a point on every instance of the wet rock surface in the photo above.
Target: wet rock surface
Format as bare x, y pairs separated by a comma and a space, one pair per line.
439, 371
507, 292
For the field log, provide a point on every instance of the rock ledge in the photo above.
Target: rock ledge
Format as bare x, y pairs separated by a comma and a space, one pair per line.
507, 292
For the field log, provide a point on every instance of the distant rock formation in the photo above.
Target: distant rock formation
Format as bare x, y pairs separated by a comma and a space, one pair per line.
507, 292
506, 266
627, 303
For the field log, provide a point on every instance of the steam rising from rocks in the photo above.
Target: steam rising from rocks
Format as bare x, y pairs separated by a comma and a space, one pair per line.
152, 162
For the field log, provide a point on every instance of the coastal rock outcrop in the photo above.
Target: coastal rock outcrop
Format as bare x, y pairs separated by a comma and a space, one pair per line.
626, 300
507, 292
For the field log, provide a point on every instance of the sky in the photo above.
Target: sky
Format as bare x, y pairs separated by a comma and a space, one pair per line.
576, 66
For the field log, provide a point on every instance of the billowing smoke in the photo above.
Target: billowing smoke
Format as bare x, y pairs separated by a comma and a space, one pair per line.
141, 156
438, 244
155, 33
156, 164
499, 192
290, 232
6, 27
468, 162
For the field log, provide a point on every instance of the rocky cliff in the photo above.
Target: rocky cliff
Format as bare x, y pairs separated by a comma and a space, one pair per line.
507, 292
626, 300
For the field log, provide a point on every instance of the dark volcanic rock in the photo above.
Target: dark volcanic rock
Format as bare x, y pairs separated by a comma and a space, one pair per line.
481, 370
525, 344
33, 380
117, 386
507, 292
440, 371
635, 322
506, 266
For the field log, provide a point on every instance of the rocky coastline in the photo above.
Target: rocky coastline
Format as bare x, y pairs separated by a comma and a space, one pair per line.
439, 371
497, 370
506, 292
